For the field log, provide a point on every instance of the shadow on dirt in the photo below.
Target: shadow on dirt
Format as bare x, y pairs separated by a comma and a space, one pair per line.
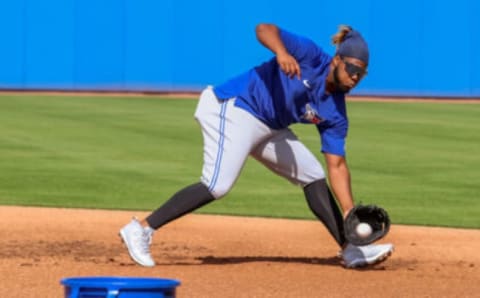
212, 260
329, 261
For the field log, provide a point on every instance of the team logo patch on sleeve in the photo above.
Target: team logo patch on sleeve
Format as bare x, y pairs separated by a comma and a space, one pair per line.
311, 115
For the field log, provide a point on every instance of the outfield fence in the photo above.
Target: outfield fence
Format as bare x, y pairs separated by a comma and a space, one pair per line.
418, 47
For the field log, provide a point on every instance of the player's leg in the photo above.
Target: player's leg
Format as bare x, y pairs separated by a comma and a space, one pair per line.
288, 157
182, 202
229, 134
285, 155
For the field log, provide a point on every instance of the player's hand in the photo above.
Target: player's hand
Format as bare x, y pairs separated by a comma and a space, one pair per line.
376, 217
288, 65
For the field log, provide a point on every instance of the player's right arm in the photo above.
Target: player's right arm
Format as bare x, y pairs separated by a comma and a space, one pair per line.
340, 181
269, 36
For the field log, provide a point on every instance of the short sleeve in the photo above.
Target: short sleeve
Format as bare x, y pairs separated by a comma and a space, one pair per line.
334, 137
302, 48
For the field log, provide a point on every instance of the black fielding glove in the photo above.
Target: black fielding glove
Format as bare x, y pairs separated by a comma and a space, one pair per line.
373, 215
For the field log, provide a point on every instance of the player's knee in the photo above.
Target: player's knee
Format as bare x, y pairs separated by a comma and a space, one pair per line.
217, 187
220, 191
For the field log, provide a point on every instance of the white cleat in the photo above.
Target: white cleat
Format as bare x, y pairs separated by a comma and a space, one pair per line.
137, 239
360, 256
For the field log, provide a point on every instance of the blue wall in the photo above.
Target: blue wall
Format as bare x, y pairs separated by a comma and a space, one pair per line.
418, 47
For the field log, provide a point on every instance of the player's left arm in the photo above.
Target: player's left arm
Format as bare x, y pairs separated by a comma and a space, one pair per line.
340, 182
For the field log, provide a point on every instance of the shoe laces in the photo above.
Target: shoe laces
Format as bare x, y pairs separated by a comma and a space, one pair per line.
143, 239
148, 234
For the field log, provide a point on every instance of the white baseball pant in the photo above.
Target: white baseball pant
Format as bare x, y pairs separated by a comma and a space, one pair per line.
231, 134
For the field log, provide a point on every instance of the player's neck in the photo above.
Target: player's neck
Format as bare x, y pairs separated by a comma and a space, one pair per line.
330, 84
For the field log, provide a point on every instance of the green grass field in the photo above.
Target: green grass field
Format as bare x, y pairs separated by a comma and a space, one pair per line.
419, 160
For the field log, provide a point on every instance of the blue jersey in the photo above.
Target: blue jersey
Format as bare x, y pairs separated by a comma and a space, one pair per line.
279, 101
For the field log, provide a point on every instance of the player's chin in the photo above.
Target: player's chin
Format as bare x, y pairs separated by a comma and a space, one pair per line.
344, 88
350, 85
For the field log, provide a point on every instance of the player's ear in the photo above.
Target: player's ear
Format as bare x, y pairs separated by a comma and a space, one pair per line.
336, 60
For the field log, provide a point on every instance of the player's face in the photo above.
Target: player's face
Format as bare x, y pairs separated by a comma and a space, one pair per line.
348, 72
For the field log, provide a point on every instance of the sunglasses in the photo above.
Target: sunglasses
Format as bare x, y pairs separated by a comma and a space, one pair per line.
353, 69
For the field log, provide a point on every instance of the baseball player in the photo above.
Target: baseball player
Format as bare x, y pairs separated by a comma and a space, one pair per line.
250, 115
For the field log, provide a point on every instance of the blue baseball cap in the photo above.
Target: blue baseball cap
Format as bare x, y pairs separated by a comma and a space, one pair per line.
353, 45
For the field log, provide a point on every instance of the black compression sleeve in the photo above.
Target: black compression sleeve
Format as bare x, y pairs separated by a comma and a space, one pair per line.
323, 205
185, 201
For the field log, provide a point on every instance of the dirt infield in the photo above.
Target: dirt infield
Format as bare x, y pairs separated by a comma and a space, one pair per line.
222, 256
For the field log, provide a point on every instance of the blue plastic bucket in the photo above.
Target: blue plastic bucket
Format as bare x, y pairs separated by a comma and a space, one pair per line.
119, 287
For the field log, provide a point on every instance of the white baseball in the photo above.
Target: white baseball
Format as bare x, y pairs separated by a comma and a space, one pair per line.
363, 229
